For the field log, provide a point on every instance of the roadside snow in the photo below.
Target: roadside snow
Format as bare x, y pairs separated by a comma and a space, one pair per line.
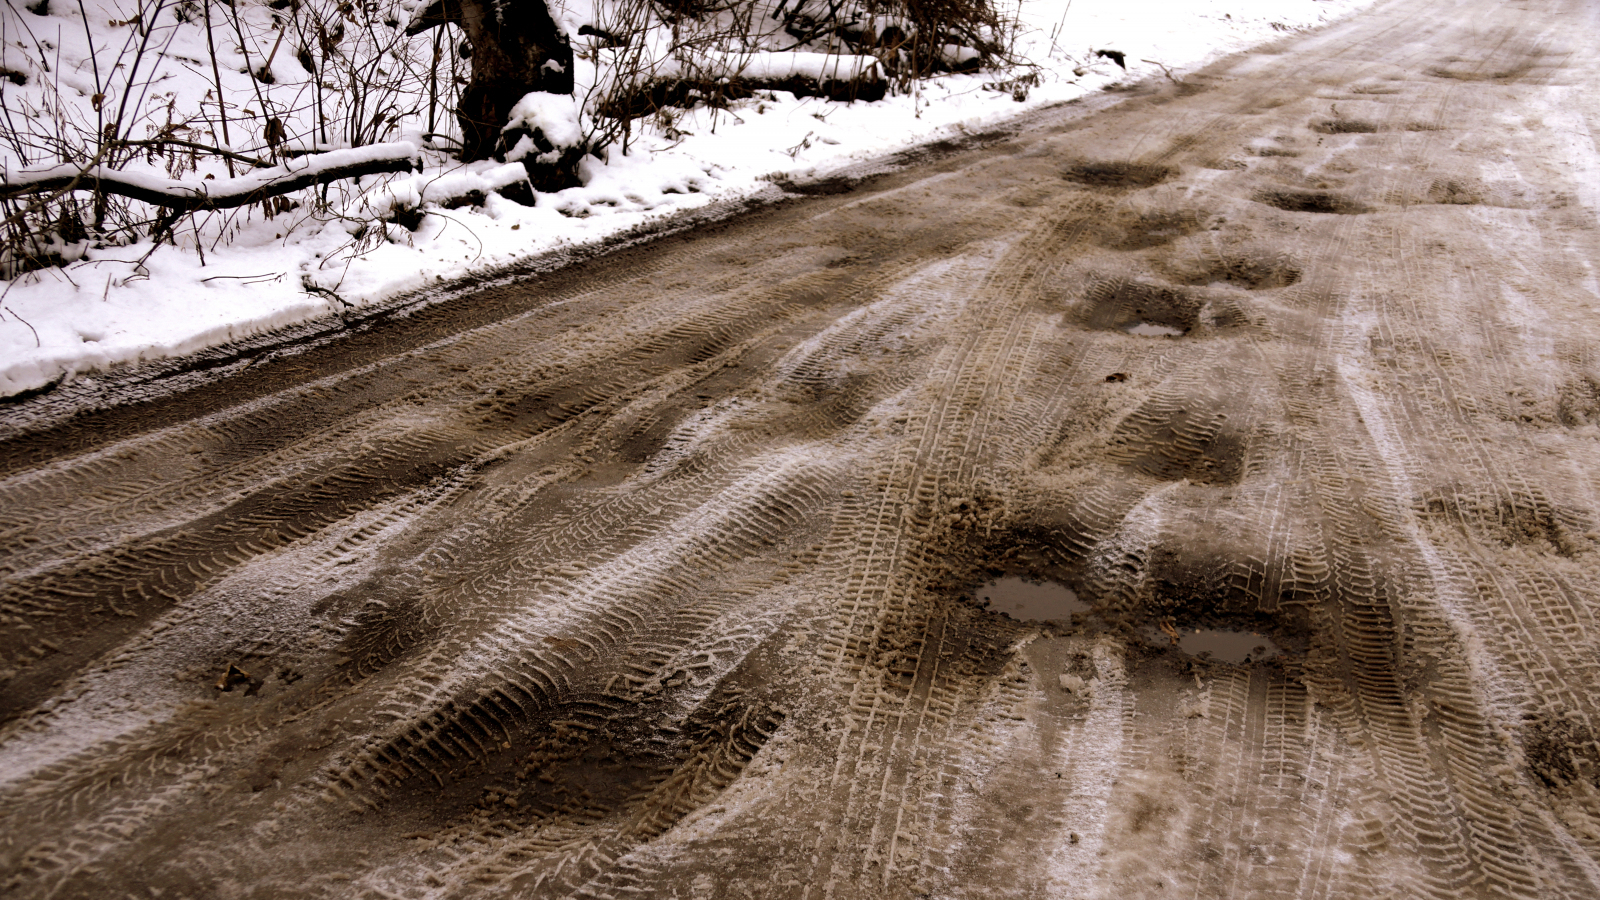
127, 304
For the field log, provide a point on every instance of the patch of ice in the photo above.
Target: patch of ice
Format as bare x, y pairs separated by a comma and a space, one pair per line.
1152, 329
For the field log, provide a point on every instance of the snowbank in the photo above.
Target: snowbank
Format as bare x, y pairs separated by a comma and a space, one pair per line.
128, 304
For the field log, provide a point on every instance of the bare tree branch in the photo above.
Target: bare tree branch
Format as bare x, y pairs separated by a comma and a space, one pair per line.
214, 151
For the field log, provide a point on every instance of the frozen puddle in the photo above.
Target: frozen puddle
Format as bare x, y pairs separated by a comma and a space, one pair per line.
1227, 646
1031, 600
1151, 329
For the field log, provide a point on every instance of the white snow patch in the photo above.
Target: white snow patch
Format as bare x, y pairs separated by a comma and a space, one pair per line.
1091, 758
822, 67
554, 115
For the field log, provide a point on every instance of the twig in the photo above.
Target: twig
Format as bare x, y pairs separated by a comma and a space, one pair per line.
216, 73
94, 62
133, 72
321, 291
199, 242
36, 342
227, 154
237, 277
67, 188
1164, 70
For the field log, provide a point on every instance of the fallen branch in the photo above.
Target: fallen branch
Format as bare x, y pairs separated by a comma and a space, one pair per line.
192, 196
1164, 70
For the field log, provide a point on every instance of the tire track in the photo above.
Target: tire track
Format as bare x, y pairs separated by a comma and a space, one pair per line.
655, 577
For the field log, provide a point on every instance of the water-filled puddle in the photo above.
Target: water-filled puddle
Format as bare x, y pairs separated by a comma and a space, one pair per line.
1031, 600
1227, 646
1151, 329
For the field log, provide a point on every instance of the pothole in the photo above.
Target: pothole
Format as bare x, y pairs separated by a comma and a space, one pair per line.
1110, 174
1154, 329
1031, 601
1344, 126
1252, 271
1135, 307
1324, 202
1126, 229
1222, 645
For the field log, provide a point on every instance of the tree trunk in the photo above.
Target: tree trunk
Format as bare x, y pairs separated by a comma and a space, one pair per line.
516, 49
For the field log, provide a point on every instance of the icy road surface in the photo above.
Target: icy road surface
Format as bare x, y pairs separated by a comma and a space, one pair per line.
655, 577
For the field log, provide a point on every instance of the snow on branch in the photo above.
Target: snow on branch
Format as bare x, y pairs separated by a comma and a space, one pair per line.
191, 196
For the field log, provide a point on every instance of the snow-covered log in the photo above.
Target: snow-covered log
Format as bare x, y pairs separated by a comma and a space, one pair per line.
181, 195
732, 76
822, 68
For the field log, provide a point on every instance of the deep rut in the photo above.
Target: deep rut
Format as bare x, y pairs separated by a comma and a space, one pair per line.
653, 577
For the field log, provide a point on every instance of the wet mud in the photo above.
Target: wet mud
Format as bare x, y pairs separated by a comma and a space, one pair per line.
1195, 497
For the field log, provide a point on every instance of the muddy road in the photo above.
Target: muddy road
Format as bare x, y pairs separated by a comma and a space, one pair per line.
656, 577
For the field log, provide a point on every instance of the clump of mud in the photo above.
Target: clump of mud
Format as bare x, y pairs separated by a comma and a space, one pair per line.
1579, 402
1561, 751
1509, 518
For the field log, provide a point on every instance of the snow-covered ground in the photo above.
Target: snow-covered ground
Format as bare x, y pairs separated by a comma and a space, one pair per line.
109, 308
